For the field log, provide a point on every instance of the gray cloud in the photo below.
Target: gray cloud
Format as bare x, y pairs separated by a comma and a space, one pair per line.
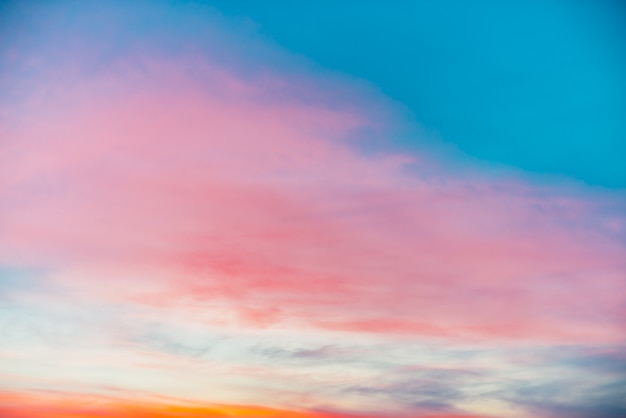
326, 353
602, 359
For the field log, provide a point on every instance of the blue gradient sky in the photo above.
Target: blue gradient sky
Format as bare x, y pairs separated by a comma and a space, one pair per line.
538, 85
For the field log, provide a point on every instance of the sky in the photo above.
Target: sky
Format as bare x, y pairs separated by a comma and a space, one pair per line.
312, 209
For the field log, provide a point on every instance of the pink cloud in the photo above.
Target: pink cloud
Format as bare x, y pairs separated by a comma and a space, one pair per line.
265, 202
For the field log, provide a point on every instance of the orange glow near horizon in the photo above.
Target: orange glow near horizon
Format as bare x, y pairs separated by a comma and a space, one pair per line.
55, 405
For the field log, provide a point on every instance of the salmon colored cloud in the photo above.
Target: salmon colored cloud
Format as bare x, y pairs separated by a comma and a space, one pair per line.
265, 203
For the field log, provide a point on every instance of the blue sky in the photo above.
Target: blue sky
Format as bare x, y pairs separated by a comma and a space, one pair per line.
538, 85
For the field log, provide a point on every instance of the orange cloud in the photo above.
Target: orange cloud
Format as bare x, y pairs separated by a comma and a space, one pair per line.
66, 405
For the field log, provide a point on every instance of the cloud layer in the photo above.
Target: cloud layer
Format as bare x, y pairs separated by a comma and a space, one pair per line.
198, 187
267, 204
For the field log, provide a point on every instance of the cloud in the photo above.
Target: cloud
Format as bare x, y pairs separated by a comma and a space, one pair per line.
596, 359
160, 342
197, 175
588, 407
418, 395
50, 404
325, 353
578, 381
